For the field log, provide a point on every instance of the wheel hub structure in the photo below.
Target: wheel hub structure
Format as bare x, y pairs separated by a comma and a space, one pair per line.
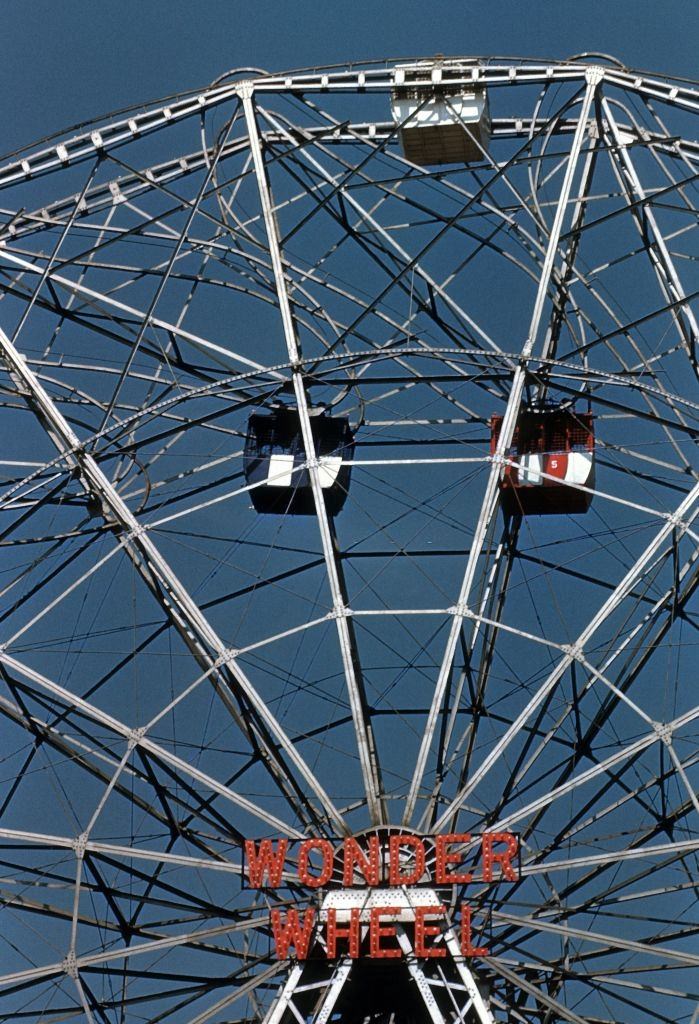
348, 502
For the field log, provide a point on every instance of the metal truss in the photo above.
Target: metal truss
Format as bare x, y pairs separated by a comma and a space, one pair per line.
460, 992
178, 673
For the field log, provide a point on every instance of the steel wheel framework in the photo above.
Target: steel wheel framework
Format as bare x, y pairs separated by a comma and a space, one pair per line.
179, 673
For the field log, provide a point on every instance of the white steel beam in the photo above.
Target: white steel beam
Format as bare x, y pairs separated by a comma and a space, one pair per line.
178, 603
465, 973
390, 240
671, 850
610, 942
658, 251
490, 500
520, 981
279, 1006
673, 522
138, 739
147, 178
192, 938
115, 850
339, 977
237, 993
217, 353
460, 72
364, 733
660, 733
418, 975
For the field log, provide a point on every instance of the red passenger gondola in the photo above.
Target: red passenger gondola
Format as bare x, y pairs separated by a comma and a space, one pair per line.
555, 453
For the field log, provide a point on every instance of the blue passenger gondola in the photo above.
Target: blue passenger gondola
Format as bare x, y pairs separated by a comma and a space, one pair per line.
274, 460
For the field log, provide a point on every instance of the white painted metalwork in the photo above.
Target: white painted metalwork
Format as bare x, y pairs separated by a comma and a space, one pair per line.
463, 989
417, 246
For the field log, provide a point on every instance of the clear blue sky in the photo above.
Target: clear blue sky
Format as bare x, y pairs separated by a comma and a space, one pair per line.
69, 60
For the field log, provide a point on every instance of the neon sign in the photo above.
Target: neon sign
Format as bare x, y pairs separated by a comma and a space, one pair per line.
372, 884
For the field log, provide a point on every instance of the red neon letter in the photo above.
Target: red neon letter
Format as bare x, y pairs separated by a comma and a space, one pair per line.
444, 858
376, 933
369, 866
467, 948
288, 933
504, 858
265, 860
394, 875
351, 933
315, 881
423, 930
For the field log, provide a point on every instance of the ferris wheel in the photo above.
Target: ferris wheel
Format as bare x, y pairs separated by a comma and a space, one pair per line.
347, 542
